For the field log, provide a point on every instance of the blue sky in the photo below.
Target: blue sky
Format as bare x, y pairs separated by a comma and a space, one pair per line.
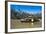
27, 8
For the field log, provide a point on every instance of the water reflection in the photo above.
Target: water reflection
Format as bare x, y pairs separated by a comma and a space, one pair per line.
19, 24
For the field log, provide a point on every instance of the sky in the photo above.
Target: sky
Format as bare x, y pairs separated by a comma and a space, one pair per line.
27, 8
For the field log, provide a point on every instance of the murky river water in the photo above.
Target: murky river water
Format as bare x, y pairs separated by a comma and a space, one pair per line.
15, 24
